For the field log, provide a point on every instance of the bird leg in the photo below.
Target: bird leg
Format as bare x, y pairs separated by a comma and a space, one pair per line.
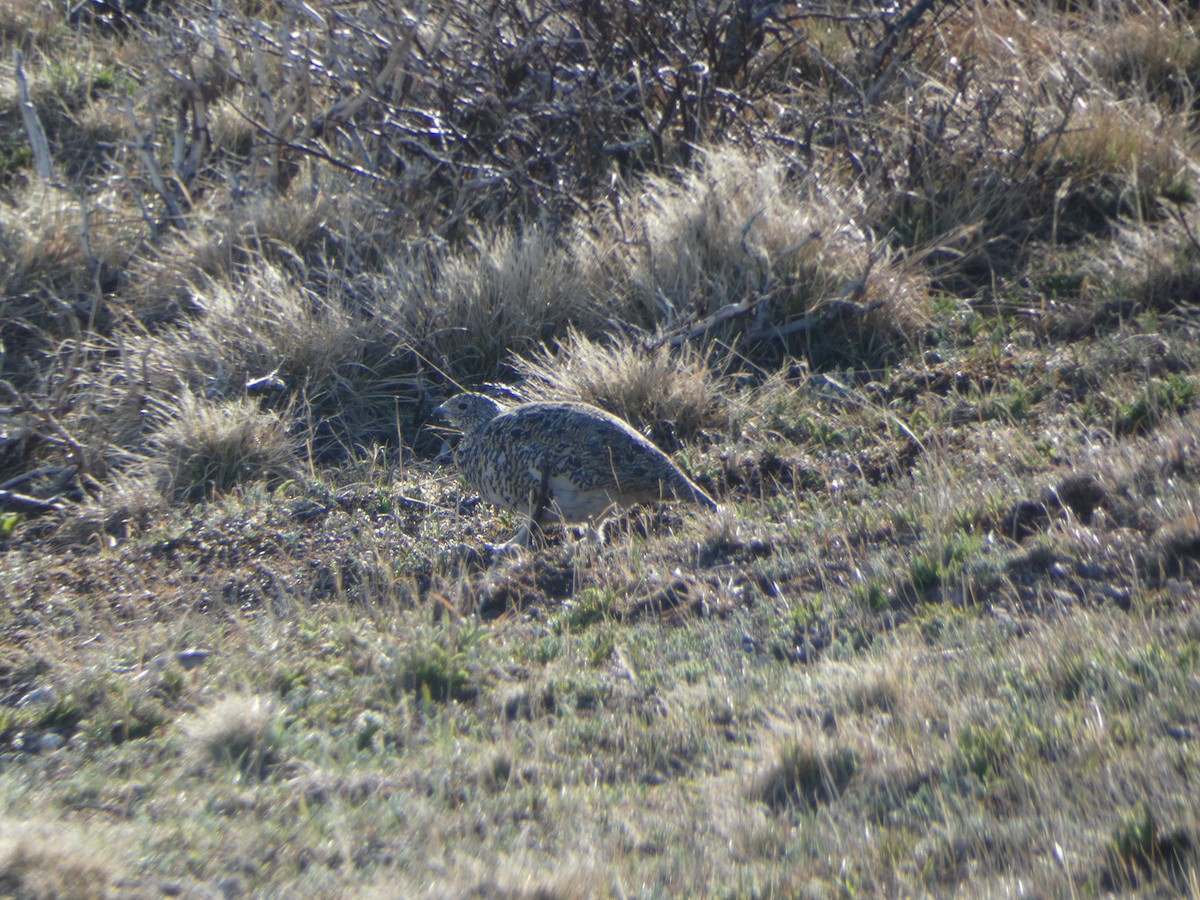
541, 498
539, 503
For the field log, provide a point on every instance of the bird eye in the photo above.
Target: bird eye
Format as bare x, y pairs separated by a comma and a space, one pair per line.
462, 404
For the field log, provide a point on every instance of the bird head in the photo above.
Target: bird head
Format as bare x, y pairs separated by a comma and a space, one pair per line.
469, 411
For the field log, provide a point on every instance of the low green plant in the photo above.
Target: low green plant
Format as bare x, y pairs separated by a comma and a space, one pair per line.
438, 662
1158, 399
986, 751
592, 605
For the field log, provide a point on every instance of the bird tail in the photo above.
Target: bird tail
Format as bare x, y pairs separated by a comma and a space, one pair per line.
686, 489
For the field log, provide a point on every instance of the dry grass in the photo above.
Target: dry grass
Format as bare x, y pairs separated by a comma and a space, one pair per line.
241, 731
741, 229
49, 860
209, 447
674, 394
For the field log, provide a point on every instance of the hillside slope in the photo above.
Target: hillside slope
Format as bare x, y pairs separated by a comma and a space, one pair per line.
912, 292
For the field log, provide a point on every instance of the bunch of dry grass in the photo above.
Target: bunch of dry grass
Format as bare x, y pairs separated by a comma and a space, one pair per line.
466, 310
227, 238
242, 730
1150, 51
804, 773
209, 446
671, 393
265, 324
743, 240
52, 268
1004, 138
130, 502
45, 860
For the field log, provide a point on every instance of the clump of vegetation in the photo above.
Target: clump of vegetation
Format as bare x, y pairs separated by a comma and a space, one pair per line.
242, 731
438, 664
1139, 846
672, 393
39, 860
805, 774
210, 447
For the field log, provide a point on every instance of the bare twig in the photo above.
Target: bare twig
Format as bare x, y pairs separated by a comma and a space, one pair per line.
145, 151
834, 309
11, 501
33, 125
57, 472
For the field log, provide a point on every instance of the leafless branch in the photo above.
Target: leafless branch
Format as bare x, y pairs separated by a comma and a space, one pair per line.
33, 125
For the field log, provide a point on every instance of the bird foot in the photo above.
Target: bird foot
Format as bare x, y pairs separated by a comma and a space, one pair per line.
508, 550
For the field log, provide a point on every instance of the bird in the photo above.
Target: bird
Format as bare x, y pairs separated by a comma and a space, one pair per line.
559, 460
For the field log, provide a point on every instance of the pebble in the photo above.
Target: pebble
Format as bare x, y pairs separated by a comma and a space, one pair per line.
42, 696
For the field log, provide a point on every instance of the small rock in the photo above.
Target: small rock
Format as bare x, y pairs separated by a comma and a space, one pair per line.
42, 696
1180, 589
50, 741
1112, 592
190, 659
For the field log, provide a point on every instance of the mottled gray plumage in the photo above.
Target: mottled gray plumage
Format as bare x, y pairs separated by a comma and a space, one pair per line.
569, 462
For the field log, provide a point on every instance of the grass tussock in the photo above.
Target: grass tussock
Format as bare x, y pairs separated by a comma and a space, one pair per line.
264, 323
242, 731
743, 230
673, 393
226, 241
40, 861
1154, 57
804, 774
507, 292
209, 447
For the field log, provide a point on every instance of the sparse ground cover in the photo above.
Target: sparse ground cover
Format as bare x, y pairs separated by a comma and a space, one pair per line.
912, 293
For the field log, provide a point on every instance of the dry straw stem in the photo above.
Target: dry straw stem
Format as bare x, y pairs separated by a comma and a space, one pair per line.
33, 125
